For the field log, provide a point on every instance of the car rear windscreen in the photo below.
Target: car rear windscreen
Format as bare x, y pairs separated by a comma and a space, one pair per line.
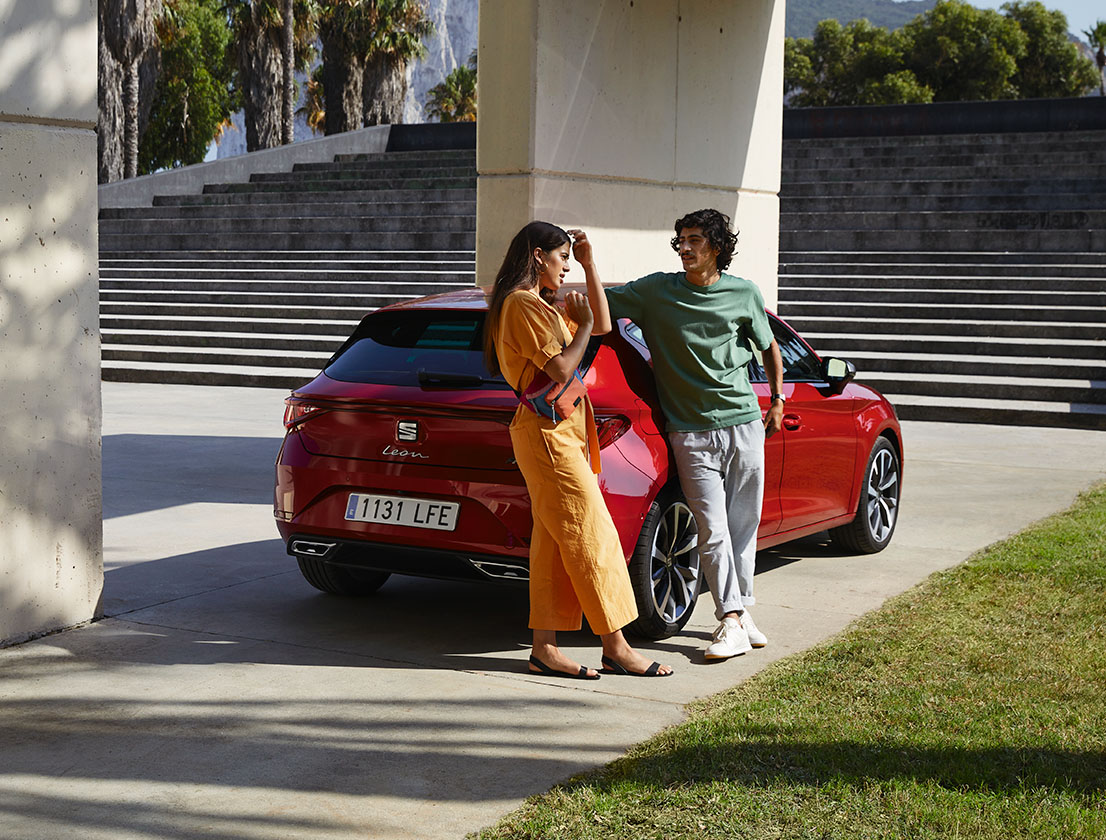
431, 348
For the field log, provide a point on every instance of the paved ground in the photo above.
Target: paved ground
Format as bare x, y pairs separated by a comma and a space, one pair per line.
223, 697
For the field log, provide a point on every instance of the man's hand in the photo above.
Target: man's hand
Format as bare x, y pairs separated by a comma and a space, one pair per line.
773, 420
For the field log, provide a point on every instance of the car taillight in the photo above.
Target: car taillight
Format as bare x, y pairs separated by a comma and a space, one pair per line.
611, 429
295, 412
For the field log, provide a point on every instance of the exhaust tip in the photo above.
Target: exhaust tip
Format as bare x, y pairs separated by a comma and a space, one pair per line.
501, 570
311, 548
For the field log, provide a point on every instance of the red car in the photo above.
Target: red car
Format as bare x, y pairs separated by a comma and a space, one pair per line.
397, 459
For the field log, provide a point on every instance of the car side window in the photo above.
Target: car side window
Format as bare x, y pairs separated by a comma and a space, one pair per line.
799, 364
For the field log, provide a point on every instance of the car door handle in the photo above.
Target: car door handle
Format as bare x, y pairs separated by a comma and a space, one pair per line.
791, 422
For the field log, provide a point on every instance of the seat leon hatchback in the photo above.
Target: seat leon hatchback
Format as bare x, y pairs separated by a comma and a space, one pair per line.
397, 460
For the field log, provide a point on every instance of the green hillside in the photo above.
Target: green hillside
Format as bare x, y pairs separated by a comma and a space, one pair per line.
804, 15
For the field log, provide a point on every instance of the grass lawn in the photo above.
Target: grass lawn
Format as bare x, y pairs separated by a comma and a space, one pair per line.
972, 706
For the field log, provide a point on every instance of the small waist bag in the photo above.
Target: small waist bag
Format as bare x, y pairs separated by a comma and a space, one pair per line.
551, 399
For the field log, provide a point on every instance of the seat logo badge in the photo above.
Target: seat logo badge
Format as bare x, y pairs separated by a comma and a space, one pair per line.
402, 453
407, 430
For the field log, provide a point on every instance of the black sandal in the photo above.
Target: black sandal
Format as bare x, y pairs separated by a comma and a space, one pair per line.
612, 667
545, 670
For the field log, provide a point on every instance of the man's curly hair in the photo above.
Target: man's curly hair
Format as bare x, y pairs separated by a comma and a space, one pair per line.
716, 228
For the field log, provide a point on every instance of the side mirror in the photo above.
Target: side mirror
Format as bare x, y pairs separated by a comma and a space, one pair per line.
838, 373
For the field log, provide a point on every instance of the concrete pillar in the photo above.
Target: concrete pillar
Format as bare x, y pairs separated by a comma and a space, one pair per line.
620, 116
51, 561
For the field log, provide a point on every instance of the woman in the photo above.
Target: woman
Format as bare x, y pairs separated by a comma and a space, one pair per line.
576, 561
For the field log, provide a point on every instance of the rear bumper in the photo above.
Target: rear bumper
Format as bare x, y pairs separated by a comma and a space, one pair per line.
407, 560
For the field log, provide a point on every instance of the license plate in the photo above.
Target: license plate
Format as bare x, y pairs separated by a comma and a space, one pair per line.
402, 510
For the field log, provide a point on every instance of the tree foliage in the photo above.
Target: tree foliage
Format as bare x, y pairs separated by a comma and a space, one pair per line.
193, 97
454, 100
1052, 65
953, 52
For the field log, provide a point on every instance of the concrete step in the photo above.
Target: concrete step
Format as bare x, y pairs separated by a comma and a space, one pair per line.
823, 273
1001, 412
303, 297
940, 221
389, 158
938, 173
175, 374
1048, 299
984, 330
1083, 391
1058, 369
940, 259
983, 202
1013, 283
308, 173
267, 280
293, 209
380, 257
878, 344
1090, 315
339, 185
959, 186
1043, 159
246, 312
247, 224
206, 356
300, 197
301, 343
897, 144
289, 240
215, 325
944, 240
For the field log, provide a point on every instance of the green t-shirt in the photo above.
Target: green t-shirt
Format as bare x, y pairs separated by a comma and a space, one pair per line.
698, 338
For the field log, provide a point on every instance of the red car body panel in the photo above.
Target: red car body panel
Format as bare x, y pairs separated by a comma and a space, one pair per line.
348, 443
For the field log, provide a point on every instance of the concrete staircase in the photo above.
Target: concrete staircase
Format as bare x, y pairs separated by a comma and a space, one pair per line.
257, 283
964, 275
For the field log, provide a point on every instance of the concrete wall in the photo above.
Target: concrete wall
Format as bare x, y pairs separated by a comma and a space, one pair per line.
51, 568
620, 116
189, 180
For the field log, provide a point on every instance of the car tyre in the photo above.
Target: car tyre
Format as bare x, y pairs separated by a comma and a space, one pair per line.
664, 568
877, 512
338, 580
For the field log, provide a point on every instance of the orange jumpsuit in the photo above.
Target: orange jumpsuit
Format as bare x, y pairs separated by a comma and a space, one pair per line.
576, 560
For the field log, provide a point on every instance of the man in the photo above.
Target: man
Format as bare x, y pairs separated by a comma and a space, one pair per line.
697, 324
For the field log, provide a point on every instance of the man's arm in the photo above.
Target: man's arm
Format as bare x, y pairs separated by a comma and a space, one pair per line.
773, 368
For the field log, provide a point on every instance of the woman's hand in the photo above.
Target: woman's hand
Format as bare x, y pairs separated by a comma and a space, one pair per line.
581, 247
578, 309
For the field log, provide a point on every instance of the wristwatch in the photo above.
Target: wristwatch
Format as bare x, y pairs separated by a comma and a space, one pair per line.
779, 397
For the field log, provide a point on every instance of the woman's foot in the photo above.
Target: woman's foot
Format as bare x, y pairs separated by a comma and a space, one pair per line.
620, 658
555, 662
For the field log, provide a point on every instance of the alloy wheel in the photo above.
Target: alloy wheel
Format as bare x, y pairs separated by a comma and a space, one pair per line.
883, 495
674, 562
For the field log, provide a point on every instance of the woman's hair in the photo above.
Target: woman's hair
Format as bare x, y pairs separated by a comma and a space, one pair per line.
519, 271
716, 228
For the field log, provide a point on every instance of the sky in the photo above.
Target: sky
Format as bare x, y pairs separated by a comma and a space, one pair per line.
1081, 14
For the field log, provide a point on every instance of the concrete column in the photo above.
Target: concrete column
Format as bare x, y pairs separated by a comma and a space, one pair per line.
51, 560
620, 116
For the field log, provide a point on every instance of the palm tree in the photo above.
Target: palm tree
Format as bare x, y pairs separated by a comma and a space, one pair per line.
398, 33
288, 66
263, 54
313, 109
127, 28
345, 31
454, 100
1096, 36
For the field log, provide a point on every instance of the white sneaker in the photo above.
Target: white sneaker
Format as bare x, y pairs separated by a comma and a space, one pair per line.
730, 639
756, 638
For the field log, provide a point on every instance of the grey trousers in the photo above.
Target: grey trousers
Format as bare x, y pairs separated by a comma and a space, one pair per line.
722, 476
